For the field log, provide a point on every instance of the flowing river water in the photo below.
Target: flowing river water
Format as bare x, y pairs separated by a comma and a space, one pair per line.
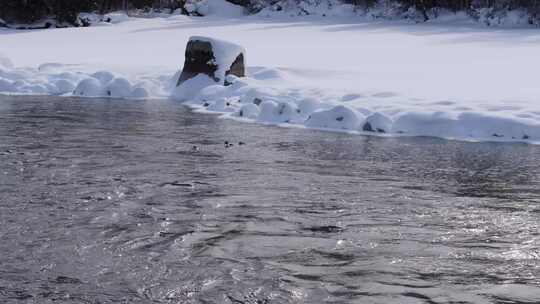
111, 201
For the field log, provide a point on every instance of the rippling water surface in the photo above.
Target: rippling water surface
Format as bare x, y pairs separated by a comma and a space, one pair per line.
105, 201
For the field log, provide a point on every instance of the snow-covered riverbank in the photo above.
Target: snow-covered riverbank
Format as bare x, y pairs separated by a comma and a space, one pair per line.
446, 80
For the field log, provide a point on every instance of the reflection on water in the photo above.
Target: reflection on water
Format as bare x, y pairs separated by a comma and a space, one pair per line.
106, 201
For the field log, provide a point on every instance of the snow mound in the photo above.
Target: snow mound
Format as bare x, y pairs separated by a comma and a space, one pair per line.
192, 87
220, 105
5, 62
61, 79
265, 74
139, 92
339, 117
279, 112
89, 87
6, 86
250, 111
471, 125
103, 76
118, 88
269, 98
268, 111
64, 86
377, 122
263, 99
50, 66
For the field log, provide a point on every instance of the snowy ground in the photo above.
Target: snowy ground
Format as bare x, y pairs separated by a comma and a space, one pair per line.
449, 80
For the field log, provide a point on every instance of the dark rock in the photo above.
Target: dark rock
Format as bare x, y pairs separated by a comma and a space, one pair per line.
238, 67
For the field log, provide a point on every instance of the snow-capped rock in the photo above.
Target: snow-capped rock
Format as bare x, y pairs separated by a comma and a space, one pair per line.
214, 58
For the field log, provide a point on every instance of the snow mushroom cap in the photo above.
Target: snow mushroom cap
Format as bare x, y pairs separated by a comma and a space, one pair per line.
213, 57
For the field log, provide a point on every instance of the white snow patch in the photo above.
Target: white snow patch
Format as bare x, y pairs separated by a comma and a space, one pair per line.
445, 81
89, 87
5, 62
191, 87
6, 86
139, 92
377, 122
119, 88
340, 118
64, 86
249, 110
103, 76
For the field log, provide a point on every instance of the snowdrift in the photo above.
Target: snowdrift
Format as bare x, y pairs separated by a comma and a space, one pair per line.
409, 80
260, 98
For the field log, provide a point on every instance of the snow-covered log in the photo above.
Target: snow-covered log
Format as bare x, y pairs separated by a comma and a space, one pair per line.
214, 58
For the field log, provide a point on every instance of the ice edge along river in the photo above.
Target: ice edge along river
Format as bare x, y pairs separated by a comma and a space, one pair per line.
446, 80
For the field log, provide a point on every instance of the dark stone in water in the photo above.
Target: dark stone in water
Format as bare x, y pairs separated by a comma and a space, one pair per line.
176, 184
66, 280
326, 229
